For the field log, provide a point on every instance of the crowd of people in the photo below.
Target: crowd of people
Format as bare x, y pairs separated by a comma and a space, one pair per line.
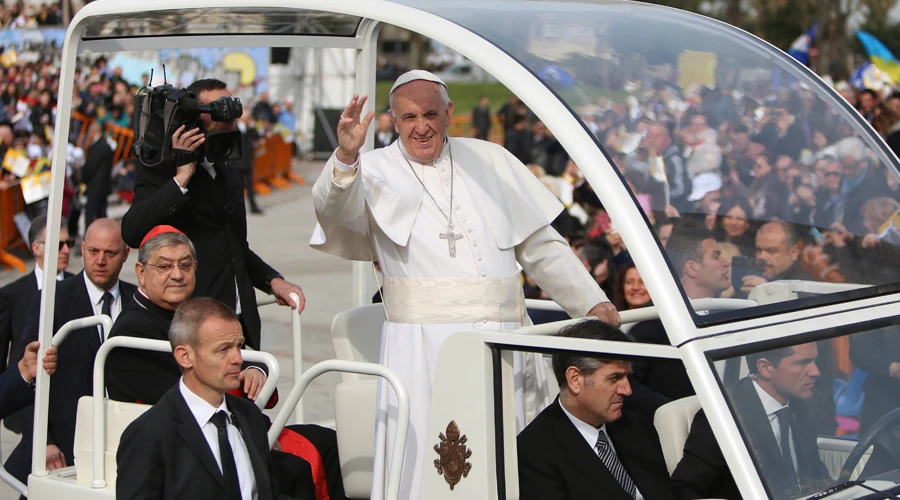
730, 166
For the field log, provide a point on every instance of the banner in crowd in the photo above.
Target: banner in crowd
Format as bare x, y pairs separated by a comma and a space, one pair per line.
31, 45
880, 55
236, 67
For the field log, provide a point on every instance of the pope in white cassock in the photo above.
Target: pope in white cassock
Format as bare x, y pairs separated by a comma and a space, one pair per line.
447, 219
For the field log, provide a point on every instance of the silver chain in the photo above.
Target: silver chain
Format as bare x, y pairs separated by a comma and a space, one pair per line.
449, 220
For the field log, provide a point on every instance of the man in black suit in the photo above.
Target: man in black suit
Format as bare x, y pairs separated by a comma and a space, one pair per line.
15, 299
704, 273
385, 135
199, 442
96, 290
97, 174
481, 119
584, 445
16, 296
771, 408
166, 272
206, 202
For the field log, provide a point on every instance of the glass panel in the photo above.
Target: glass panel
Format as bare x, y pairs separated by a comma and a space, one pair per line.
706, 121
250, 21
827, 396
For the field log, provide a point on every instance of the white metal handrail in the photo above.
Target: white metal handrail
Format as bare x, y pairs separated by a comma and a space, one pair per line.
11, 480
99, 438
628, 317
42, 391
296, 345
337, 365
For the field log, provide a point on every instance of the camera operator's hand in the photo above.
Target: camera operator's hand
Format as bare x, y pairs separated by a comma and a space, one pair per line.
188, 140
752, 281
351, 130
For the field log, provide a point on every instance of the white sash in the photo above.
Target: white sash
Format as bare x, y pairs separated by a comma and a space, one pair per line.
453, 300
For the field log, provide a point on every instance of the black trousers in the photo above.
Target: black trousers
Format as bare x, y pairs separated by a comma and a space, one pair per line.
94, 209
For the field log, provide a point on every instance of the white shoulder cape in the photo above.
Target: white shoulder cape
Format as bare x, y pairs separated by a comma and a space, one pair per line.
513, 202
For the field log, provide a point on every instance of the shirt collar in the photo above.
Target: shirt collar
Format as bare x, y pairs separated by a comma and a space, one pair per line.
201, 410
39, 275
445, 152
96, 293
588, 431
770, 404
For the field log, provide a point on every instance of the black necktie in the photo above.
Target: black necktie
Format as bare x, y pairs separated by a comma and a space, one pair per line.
229, 469
784, 427
613, 465
106, 307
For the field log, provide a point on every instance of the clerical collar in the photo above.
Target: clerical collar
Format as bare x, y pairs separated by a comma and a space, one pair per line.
443, 156
141, 299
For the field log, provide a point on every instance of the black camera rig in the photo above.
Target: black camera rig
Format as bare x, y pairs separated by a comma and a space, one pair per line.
160, 110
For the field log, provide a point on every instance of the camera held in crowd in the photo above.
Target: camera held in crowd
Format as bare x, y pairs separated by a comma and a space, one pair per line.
160, 110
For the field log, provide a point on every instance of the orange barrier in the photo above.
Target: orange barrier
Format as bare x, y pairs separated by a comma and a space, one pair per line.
124, 137
272, 165
461, 126
11, 203
82, 122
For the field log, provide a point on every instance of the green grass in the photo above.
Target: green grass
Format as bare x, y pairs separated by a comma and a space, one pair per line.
464, 95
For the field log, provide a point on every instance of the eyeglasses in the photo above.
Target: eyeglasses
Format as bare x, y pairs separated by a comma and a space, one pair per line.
69, 243
185, 266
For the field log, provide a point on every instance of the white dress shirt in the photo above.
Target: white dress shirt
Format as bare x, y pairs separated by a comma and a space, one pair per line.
770, 406
590, 434
203, 412
96, 295
39, 275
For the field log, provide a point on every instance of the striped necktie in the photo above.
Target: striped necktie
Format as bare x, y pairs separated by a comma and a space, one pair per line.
613, 465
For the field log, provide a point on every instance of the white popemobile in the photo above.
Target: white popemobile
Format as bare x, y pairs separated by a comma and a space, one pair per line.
565, 60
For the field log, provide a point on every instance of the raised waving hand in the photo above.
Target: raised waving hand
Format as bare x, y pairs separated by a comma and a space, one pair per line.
351, 130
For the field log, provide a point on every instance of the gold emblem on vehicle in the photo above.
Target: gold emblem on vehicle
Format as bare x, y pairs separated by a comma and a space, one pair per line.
453, 453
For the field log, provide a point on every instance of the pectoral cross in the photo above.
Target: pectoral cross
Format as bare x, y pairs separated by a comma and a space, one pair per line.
451, 238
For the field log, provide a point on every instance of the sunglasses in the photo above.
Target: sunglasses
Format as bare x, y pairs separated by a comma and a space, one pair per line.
69, 243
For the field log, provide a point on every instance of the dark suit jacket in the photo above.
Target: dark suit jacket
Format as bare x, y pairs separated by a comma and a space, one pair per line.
382, 144
163, 453
97, 170
658, 381
704, 466
74, 375
555, 462
15, 393
213, 216
14, 301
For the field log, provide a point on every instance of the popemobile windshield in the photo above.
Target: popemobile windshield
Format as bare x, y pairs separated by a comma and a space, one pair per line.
810, 255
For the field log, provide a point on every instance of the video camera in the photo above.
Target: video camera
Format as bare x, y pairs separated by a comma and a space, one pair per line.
160, 110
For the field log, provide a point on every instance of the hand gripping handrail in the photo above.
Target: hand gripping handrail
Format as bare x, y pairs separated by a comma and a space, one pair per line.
296, 344
338, 365
628, 317
42, 391
99, 479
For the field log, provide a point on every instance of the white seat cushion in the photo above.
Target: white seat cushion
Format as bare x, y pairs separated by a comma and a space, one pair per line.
354, 418
673, 424
356, 334
118, 417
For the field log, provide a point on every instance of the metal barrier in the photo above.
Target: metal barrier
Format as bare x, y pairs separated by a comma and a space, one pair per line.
296, 344
42, 392
99, 479
336, 365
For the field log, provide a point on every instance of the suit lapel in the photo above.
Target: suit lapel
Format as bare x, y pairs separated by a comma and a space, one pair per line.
756, 425
582, 457
260, 469
192, 435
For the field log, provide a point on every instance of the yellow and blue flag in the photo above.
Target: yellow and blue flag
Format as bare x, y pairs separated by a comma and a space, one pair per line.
880, 55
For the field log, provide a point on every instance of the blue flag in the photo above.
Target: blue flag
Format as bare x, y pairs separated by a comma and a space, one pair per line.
799, 50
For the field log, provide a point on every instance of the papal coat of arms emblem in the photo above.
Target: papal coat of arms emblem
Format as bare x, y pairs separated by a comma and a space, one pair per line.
452, 453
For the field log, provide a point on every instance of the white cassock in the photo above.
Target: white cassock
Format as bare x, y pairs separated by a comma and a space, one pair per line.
502, 212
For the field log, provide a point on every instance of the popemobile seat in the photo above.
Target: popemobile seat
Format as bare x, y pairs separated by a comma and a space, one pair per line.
356, 334
673, 424
118, 416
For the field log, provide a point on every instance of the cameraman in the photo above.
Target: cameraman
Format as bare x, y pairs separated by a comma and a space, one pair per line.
206, 202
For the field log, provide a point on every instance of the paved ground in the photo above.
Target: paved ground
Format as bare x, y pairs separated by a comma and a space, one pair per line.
280, 237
